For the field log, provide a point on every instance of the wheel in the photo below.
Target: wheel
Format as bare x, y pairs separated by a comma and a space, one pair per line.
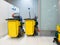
19, 33
35, 32
54, 40
58, 43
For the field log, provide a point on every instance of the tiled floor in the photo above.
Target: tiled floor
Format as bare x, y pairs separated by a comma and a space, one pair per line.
37, 40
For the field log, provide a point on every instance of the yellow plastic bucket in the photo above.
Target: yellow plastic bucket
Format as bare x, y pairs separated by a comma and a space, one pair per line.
58, 28
29, 26
13, 28
58, 37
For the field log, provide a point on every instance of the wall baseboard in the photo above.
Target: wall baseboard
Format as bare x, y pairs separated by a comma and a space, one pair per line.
47, 32
3, 35
42, 33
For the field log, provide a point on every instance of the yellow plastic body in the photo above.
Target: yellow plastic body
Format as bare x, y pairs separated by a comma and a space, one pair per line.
13, 28
58, 28
58, 37
29, 27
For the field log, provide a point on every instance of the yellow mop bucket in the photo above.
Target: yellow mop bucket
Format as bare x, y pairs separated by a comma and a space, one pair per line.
58, 28
58, 37
13, 27
29, 26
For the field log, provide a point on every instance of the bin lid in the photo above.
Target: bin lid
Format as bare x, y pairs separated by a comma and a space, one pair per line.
29, 19
12, 19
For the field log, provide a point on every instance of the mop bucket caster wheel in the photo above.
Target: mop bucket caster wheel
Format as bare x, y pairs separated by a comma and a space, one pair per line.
58, 43
54, 40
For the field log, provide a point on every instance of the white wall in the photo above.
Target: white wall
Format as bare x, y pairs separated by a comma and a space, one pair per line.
39, 13
49, 14
3, 16
59, 12
24, 5
5, 12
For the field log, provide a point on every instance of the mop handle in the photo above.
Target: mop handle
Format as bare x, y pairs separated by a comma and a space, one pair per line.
29, 13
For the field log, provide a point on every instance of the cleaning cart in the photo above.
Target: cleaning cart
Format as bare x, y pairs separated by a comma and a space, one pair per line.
30, 25
57, 35
13, 27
